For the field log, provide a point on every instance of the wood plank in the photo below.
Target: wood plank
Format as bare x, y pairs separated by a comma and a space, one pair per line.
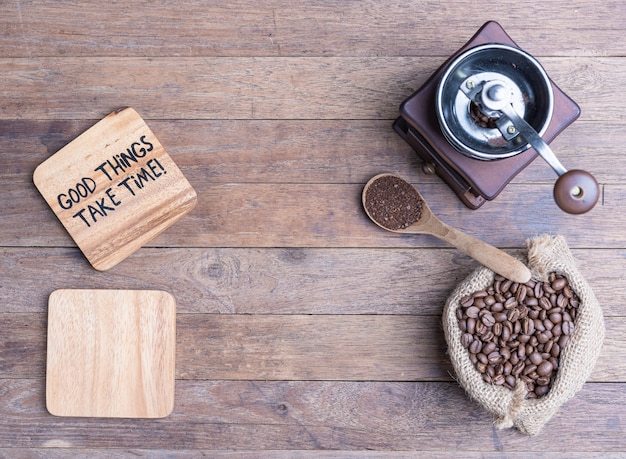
302, 151
331, 215
246, 27
258, 415
262, 88
279, 281
84, 453
295, 347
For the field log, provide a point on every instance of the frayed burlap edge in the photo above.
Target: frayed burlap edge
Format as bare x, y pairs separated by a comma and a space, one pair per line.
510, 407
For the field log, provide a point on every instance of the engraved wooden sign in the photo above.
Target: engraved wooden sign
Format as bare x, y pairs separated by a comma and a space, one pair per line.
111, 353
114, 188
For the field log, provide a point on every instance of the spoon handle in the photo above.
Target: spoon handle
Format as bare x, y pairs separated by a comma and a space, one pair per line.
488, 255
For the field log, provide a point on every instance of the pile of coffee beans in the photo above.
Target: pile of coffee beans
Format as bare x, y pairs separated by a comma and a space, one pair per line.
393, 203
517, 331
480, 118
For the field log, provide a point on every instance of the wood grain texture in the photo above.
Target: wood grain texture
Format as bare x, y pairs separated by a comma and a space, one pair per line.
301, 28
331, 215
110, 353
281, 151
303, 330
298, 347
264, 87
304, 415
413, 281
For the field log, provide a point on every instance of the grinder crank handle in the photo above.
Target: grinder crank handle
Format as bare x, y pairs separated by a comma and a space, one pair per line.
575, 191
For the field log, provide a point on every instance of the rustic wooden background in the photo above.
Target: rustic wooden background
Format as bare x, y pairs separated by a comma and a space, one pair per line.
303, 330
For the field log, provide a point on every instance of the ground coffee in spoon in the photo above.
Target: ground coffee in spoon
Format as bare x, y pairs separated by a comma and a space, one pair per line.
393, 203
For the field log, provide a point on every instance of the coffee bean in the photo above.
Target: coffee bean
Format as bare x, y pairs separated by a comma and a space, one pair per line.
520, 295
567, 328
476, 346
510, 381
518, 369
540, 391
488, 320
500, 317
517, 331
470, 325
535, 358
528, 326
555, 318
488, 348
559, 283
545, 368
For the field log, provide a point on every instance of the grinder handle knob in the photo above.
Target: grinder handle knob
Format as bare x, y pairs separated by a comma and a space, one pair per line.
576, 191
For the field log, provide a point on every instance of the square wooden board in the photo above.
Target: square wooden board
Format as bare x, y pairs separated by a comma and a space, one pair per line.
111, 353
114, 188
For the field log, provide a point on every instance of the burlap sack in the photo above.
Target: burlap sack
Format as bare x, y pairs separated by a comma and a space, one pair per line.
511, 407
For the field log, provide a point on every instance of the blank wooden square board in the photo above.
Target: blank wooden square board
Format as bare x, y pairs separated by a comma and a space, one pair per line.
111, 353
114, 188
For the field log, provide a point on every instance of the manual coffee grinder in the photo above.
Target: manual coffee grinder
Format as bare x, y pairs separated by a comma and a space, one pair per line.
485, 115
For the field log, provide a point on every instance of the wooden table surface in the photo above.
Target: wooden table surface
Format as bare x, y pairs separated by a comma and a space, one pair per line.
303, 330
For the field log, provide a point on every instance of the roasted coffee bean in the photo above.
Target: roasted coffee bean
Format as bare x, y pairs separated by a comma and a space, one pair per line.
476, 346
520, 295
544, 302
470, 325
555, 318
467, 301
535, 358
510, 303
528, 326
545, 368
500, 317
559, 284
479, 303
488, 348
510, 381
567, 328
517, 331
489, 300
488, 320
531, 301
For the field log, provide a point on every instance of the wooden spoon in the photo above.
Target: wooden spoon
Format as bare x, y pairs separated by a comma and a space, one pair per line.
425, 222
